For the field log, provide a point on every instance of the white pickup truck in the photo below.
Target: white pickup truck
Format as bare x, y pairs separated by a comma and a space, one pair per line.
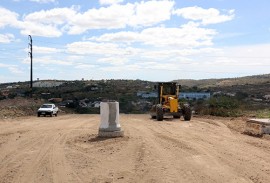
47, 109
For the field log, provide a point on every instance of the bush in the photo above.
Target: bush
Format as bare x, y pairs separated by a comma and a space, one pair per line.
263, 113
12, 95
224, 106
2, 97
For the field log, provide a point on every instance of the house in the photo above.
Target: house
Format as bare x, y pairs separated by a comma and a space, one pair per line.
267, 97
194, 95
139, 93
96, 104
150, 95
145, 94
257, 99
47, 84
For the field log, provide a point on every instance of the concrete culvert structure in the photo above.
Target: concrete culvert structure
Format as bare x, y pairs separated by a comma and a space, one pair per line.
109, 120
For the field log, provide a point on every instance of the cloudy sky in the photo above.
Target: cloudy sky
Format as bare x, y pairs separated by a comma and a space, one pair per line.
155, 40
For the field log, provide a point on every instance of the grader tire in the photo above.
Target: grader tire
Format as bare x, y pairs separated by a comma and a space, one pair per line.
159, 113
187, 112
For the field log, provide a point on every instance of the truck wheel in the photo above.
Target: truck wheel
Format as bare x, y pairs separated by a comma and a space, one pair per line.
38, 115
51, 114
159, 113
187, 112
56, 114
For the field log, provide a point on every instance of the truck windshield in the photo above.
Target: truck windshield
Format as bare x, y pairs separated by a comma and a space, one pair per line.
46, 106
169, 89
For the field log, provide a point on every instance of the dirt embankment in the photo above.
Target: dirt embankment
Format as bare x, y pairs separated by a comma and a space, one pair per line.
66, 149
10, 108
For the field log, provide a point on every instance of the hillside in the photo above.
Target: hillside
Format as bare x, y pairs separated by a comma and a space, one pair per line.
206, 83
251, 92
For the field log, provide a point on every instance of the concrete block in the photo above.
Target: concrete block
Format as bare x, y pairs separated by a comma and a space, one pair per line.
109, 120
257, 127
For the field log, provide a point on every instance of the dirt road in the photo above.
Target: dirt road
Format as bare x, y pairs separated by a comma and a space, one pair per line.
66, 149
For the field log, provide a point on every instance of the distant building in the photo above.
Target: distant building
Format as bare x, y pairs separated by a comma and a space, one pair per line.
267, 97
47, 84
194, 96
150, 95
96, 104
144, 94
139, 93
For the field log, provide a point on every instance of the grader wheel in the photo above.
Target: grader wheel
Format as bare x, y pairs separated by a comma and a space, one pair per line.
159, 113
187, 112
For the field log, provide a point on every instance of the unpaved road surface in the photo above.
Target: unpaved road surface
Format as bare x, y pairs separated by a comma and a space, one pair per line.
66, 149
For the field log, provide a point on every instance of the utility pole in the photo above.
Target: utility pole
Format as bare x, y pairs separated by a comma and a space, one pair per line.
31, 58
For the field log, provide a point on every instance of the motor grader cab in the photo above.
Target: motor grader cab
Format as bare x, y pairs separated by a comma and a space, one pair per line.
167, 103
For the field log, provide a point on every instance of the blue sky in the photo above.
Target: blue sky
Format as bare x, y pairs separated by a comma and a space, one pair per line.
156, 40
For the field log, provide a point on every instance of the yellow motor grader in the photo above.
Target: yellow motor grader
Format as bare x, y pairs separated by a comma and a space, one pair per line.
167, 103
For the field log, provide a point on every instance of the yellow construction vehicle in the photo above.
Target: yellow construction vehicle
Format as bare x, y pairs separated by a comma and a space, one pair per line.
167, 103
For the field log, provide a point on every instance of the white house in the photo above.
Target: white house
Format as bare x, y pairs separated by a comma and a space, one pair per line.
194, 95
47, 84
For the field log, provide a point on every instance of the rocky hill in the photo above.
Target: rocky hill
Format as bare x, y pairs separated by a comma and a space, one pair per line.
225, 82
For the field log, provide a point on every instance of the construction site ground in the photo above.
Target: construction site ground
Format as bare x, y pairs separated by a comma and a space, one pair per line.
66, 149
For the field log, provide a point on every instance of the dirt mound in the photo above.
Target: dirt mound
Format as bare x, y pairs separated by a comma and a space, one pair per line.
10, 108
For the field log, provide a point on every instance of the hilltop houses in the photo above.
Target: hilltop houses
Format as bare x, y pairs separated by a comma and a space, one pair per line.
47, 83
194, 95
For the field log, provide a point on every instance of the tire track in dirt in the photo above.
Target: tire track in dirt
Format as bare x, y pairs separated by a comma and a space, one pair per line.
9, 168
66, 149
149, 156
194, 157
38, 154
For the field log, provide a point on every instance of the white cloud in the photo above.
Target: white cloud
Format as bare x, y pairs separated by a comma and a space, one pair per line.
206, 16
109, 2
148, 13
37, 29
30, 25
55, 22
12, 68
245, 56
47, 60
84, 66
120, 16
187, 36
113, 60
107, 49
15, 70
6, 38
3, 65
56, 16
45, 50
46, 23
44, 1
8, 18
112, 17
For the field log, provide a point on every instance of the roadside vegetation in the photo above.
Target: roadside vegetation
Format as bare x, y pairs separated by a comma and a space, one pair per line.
229, 97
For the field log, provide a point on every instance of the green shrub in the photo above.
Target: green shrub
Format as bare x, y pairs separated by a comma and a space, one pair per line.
263, 113
224, 106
